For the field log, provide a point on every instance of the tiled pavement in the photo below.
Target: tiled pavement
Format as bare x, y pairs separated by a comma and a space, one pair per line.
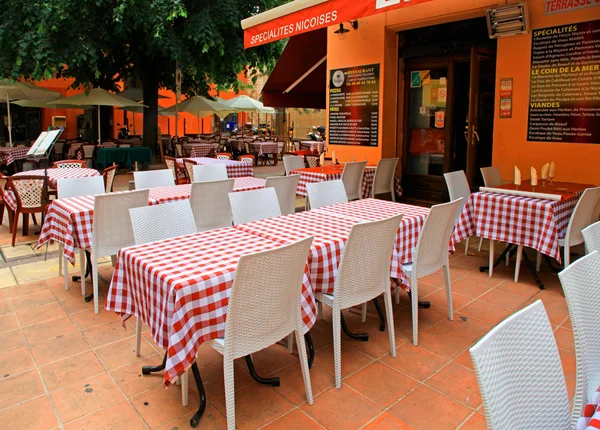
61, 366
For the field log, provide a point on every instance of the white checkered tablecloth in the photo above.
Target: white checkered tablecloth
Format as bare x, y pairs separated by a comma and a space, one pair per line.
375, 210
181, 192
235, 169
531, 222
314, 145
261, 148
198, 150
70, 221
330, 234
10, 155
53, 176
180, 288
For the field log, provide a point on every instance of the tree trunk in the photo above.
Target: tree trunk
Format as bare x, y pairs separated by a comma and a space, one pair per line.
149, 80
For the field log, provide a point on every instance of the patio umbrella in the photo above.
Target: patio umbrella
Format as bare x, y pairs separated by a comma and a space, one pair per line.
140, 109
247, 104
21, 91
136, 94
201, 106
96, 97
41, 103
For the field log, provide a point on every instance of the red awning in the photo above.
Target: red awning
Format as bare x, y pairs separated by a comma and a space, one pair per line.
299, 78
301, 16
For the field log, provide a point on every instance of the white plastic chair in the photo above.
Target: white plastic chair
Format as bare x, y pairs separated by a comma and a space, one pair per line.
293, 163
383, 182
76, 187
209, 172
248, 206
352, 177
257, 317
112, 228
286, 187
210, 204
591, 237
520, 374
580, 282
492, 176
153, 178
326, 193
458, 187
430, 255
363, 275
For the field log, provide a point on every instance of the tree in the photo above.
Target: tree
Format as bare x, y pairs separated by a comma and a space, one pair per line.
101, 42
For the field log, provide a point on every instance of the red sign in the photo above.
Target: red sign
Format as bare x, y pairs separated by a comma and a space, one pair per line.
506, 88
322, 15
558, 6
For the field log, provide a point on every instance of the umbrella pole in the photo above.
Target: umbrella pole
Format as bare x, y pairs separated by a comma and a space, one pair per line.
133, 113
199, 132
9, 121
99, 139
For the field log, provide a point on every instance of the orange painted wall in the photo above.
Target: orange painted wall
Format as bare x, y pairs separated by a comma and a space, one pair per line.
574, 162
60, 86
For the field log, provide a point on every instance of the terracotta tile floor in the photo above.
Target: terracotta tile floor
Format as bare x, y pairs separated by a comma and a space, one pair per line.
64, 367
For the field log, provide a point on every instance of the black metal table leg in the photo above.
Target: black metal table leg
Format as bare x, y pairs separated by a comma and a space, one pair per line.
196, 418
311, 349
359, 336
551, 265
423, 305
146, 370
531, 268
380, 313
267, 381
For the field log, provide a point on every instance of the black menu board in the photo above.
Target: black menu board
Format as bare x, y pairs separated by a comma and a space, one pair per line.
564, 96
354, 106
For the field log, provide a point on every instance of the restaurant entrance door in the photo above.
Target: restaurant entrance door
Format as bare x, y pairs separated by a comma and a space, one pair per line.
448, 110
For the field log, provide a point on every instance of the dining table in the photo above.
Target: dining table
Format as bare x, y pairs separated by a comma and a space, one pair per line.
127, 155
198, 149
235, 169
9, 155
313, 145
261, 149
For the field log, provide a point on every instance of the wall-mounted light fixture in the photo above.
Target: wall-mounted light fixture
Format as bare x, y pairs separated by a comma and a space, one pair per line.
508, 20
341, 32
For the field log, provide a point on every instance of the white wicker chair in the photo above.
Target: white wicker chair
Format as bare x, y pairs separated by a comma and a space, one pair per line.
430, 255
363, 275
352, 177
257, 318
491, 176
326, 193
75, 187
580, 282
153, 178
109, 177
285, 186
209, 172
458, 187
112, 228
293, 163
591, 237
516, 363
383, 182
248, 206
210, 204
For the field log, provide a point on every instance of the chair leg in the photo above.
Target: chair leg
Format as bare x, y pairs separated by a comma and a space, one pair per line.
229, 392
304, 365
25, 224
538, 261
363, 312
491, 258
480, 244
138, 337
184, 388
82, 270
34, 219
60, 262
414, 298
319, 310
397, 294
567, 256
337, 346
95, 284
467, 246
2, 206
387, 298
65, 264
290, 343
518, 263
507, 258
448, 291
14, 227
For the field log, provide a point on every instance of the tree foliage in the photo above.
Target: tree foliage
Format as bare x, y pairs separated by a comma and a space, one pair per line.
101, 42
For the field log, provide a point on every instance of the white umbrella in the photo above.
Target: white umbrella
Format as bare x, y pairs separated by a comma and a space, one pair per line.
201, 106
96, 97
20, 91
140, 109
247, 104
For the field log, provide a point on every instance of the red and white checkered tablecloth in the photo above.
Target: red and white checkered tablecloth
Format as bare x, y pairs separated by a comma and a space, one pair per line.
534, 223
590, 416
261, 148
235, 169
181, 192
180, 288
314, 145
75, 146
375, 210
198, 150
10, 155
53, 176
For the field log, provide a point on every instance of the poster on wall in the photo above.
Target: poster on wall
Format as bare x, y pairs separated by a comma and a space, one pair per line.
354, 106
564, 95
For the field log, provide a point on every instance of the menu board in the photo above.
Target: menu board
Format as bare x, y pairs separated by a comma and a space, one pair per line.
354, 106
564, 96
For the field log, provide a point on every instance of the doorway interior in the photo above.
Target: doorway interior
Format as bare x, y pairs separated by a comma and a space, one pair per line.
447, 76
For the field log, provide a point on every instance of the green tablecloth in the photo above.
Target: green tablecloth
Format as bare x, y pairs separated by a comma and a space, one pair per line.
107, 156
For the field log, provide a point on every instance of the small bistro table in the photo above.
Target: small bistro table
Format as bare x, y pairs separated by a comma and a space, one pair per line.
10, 155
107, 156
235, 169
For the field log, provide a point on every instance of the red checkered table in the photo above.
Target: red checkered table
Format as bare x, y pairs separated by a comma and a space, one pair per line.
531, 222
198, 150
69, 221
180, 288
53, 176
315, 146
311, 175
262, 148
235, 169
72, 153
10, 155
